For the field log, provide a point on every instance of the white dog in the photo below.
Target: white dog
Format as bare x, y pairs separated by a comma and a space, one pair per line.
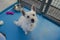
28, 20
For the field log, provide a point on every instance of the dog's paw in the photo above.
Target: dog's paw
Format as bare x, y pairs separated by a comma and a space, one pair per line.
26, 33
15, 22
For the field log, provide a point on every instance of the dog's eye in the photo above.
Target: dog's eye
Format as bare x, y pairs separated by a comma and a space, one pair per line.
27, 16
33, 14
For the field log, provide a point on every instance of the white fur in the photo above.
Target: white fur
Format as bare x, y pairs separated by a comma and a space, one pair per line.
25, 23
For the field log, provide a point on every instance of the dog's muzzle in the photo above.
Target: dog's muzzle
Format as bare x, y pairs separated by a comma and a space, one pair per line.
32, 20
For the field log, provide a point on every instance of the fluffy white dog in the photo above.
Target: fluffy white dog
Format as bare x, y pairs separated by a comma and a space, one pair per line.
28, 20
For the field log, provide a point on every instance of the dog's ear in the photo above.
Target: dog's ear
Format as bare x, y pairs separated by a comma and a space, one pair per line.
23, 12
33, 8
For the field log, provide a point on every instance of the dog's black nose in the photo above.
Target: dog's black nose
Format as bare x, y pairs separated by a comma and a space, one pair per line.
32, 20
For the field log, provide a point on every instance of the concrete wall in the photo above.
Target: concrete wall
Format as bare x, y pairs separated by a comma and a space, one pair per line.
6, 3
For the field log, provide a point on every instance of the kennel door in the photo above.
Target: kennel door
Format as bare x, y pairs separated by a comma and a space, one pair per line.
39, 4
53, 12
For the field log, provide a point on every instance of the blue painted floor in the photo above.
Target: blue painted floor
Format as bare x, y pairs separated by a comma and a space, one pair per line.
45, 30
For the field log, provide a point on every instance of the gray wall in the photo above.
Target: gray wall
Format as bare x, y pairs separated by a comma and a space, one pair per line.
6, 3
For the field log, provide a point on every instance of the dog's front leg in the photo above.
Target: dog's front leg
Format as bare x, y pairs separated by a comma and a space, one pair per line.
32, 26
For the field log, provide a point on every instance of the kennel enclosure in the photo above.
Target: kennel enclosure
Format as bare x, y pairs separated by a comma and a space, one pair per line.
49, 8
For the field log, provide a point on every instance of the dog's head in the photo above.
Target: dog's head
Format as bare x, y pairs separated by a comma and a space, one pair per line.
30, 15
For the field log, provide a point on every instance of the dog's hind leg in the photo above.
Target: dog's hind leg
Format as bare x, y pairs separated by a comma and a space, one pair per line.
17, 23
